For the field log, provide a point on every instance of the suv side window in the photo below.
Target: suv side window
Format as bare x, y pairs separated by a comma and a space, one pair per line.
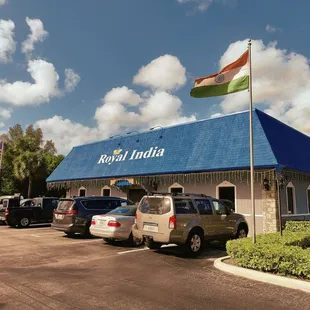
220, 208
204, 206
184, 206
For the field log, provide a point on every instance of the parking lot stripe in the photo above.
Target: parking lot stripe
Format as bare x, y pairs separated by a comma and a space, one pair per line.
131, 251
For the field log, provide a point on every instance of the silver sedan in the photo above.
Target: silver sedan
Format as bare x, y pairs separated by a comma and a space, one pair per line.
115, 225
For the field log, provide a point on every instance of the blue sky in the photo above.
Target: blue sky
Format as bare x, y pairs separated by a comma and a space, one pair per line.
106, 42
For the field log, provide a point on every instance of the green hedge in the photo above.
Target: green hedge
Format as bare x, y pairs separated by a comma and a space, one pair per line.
297, 226
288, 255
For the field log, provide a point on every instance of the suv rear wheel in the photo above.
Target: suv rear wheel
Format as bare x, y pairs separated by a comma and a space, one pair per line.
194, 243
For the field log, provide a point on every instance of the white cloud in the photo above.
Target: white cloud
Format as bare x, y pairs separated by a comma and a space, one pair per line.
270, 29
66, 134
5, 113
7, 43
123, 95
3, 2
72, 79
37, 34
281, 81
201, 5
123, 109
163, 73
44, 88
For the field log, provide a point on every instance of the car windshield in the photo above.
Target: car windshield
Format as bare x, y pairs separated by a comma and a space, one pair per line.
65, 205
153, 205
126, 211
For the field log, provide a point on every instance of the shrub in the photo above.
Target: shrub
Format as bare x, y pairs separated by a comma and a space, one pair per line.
287, 255
297, 226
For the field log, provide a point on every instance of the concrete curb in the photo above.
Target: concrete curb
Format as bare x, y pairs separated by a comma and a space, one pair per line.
261, 276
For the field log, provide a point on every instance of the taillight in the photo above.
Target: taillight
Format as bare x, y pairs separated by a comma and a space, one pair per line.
6, 212
71, 212
173, 222
114, 224
93, 222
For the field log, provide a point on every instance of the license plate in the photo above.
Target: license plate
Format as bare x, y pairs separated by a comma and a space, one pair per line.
102, 223
150, 228
59, 216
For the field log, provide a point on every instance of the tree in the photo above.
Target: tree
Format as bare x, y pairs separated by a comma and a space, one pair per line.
27, 159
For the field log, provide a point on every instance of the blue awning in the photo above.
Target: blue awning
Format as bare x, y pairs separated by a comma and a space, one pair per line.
122, 183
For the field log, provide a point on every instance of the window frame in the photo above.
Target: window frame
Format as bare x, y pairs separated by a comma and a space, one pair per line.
227, 184
176, 185
82, 188
202, 199
190, 202
106, 188
219, 202
290, 185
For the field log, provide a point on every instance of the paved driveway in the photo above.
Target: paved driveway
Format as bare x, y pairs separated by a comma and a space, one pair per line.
42, 269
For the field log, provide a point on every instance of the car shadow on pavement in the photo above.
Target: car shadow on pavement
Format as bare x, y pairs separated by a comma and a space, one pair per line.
215, 249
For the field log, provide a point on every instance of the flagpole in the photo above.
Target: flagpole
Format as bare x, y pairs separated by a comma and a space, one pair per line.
251, 142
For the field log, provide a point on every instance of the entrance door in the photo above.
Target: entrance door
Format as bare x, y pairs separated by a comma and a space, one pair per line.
135, 194
227, 193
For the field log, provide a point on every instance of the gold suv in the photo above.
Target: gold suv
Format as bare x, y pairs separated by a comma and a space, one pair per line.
187, 220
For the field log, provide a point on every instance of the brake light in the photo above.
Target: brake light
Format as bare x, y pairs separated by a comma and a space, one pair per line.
173, 222
6, 212
71, 212
93, 222
114, 224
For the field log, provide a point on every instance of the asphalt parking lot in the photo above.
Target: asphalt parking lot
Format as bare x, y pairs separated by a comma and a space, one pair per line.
42, 269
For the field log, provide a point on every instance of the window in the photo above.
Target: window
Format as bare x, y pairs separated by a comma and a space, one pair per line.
106, 192
176, 188
101, 204
155, 205
126, 211
220, 209
184, 206
82, 192
204, 206
290, 198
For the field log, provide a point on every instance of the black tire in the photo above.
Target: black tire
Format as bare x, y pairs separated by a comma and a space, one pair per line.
24, 222
135, 242
152, 245
69, 234
194, 244
109, 240
242, 231
87, 233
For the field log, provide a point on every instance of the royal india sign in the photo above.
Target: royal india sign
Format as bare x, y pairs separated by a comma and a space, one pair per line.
118, 156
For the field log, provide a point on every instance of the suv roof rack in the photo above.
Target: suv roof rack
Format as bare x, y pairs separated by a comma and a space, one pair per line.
177, 194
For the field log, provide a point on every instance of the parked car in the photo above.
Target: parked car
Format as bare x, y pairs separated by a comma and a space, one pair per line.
8, 202
187, 220
73, 215
40, 211
116, 225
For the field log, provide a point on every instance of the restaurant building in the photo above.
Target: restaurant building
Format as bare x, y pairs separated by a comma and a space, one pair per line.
209, 156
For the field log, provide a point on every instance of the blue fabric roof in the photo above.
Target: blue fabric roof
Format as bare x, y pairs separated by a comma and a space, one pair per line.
209, 145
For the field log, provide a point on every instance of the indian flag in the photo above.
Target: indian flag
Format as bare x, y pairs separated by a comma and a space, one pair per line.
233, 78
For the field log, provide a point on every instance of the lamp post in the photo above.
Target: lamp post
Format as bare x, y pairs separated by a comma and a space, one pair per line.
130, 132
162, 129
